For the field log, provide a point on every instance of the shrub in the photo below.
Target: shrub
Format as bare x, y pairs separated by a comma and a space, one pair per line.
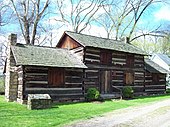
92, 94
127, 92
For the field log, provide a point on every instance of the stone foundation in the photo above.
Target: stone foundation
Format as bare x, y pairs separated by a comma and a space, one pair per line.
39, 101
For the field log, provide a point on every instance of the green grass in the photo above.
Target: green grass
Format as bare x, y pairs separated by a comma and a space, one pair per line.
16, 115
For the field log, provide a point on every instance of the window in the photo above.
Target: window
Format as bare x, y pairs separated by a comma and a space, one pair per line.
130, 60
56, 77
129, 78
105, 57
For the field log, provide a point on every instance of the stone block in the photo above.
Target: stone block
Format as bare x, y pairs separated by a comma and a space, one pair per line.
39, 101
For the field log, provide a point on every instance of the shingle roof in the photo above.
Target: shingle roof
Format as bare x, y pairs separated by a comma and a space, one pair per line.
45, 56
92, 41
165, 58
153, 67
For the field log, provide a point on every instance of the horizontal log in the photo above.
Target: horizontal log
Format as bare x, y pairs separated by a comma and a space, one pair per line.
154, 90
139, 73
59, 89
148, 80
27, 70
121, 77
92, 60
92, 74
91, 70
138, 81
118, 55
154, 87
162, 80
116, 80
91, 57
74, 77
36, 78
54, 92
90, 83
36, 74
91, 54
118, 63
69, 83
38, 82
118, 59
92, 50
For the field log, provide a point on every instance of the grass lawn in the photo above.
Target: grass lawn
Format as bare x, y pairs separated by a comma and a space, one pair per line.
16, 115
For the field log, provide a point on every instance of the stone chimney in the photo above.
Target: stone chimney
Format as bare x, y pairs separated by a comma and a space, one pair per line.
12, 38
11, 77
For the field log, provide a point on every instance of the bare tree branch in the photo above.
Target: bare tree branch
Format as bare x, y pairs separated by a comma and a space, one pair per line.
29, 17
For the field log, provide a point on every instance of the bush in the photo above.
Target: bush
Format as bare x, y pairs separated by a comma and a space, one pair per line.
127, 92
92, 94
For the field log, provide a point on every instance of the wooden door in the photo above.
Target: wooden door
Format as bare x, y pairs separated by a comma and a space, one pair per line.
105, 82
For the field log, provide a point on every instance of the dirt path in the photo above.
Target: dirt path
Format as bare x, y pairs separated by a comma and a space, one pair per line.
153, 115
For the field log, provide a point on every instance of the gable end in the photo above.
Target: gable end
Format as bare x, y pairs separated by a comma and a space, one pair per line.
68, 43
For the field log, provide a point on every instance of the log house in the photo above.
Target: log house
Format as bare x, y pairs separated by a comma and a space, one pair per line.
78, 62
111, 64
42, 70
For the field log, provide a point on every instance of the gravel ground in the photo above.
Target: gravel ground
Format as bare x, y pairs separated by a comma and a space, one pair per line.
153, 115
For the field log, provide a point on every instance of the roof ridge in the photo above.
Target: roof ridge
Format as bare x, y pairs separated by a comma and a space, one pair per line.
95, 36
20, 44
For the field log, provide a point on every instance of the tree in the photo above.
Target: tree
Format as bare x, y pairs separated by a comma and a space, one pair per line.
164, 44
5, 14
124, 17
79, 13
5, 18
29, 14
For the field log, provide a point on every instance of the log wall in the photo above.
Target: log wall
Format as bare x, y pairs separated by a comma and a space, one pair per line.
152, 87
74, 78
36, 77
91, 75
36, 82
118, 67
92, 56
91, 79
